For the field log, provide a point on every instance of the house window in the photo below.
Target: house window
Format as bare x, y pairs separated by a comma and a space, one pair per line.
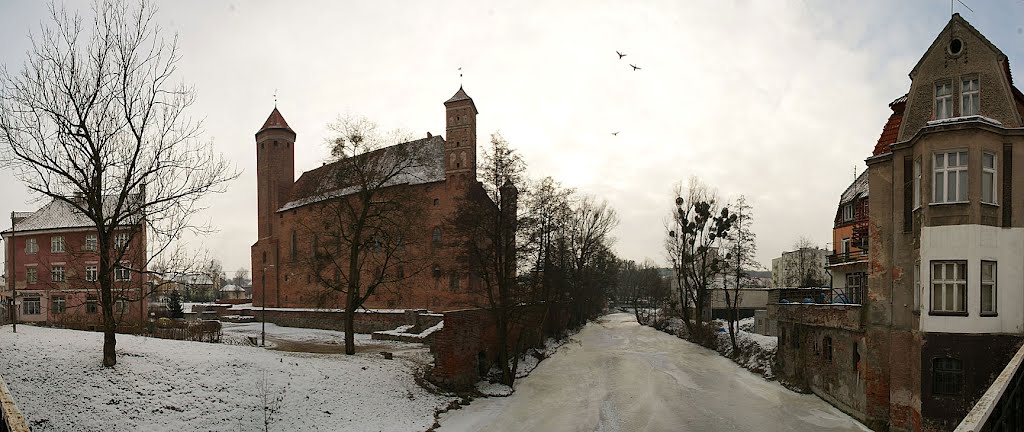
121, 307
845, 248
969, 101
947, 376
988, 288
950, 183
855, 287
826, 348
917, 183
90, 242
57, 244
949, 286
436, 238
91, 306
90, 273
453, 282
943, 101
31, 306
988, 178
31, 275
31, 246
58, 304
121, 241
57, 274
848, 212
122, 273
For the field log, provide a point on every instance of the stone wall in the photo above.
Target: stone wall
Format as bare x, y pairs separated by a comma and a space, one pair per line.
365, 321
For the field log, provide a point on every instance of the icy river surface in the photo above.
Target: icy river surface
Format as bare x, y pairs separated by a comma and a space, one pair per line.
616, 375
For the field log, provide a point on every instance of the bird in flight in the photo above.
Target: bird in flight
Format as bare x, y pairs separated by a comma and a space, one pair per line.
634, 67
616, 133
621, 55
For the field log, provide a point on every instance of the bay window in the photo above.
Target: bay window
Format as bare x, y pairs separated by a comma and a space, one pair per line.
950, 177
988, 178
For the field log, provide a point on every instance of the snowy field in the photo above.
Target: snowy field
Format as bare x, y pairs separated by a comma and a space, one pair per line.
165, 385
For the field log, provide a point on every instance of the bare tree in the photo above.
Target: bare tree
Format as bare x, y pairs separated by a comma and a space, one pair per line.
489, 227
698, 222
643, 288
588, 244
241, 277
95, 120
364, 237
742, 246
808, 268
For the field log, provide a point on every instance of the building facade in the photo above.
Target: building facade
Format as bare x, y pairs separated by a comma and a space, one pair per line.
52, 255
288, 208
944, 311
848, 261
804, 267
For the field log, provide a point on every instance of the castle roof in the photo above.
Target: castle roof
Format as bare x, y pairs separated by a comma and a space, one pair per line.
275, 121
460, 96
321, 184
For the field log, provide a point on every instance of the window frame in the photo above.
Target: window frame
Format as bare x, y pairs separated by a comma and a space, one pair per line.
961, 170
92, 304
91, 273
31, 275
57, 244
952, 379
961, 281
29, 301
994, 172
122, 273
946, 99
826, 348
995, 289
122, 239
848, 212
917, 183
31, 246
58, 304
974, 93
91, 243
57, 274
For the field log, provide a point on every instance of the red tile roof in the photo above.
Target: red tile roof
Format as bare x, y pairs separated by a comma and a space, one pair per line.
275, 121
891, 130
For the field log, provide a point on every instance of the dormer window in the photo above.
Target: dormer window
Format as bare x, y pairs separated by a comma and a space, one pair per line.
943, 101
848, 212
970, 104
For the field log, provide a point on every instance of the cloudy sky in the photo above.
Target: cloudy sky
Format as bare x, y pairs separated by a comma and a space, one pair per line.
777, 100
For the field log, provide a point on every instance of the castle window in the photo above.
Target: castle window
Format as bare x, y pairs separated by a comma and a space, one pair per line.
400, 273
436, 202
947, 376
949, 287
295, 245
988, 178
826, 348
453, 282
950, 183
970, 104
275, 143
988, 288
437, 271
436, 238
943, 101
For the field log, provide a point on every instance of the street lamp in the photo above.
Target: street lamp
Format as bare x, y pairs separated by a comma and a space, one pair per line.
263, 324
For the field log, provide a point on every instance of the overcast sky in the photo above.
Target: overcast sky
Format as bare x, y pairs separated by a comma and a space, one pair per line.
778, 101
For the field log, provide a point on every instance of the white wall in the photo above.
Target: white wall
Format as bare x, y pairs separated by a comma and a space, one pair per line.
975, 243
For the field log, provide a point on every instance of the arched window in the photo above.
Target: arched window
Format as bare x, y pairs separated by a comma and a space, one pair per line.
437, 271
826, 348
947, 376
436, 238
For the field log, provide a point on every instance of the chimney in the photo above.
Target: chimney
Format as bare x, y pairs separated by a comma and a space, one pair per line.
429, 135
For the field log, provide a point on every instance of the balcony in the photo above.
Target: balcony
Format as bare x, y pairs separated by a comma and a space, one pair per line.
840, 258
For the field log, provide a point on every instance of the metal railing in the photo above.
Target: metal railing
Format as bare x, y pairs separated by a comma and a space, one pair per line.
11, 419
1001, 408
847, 257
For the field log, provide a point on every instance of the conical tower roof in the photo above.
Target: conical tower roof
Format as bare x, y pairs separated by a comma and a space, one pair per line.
275, 121
462, 96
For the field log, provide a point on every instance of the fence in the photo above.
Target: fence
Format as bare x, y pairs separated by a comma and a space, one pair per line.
11, 419
1001, 408
197, 331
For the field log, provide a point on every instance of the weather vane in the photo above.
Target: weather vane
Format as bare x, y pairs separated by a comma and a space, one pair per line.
275, 98
460, 76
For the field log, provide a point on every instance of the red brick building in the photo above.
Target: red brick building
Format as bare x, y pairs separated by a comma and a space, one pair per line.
52, 253
288, 207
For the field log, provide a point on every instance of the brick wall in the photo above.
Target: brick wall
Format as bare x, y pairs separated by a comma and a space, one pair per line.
365, 322
467, 346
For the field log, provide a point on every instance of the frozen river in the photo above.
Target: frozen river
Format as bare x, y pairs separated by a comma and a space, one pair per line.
619, 376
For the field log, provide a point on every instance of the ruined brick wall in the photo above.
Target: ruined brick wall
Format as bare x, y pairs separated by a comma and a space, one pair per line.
467, 346
365, 322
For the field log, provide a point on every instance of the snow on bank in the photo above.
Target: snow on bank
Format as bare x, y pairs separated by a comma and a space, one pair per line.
756, 351
167, 385
403, 329
293, 334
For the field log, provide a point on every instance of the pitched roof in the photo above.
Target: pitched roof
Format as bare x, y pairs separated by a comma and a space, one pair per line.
956, 18
459, 96
320, 184
57, 214
891, 130
275, 121
857, 189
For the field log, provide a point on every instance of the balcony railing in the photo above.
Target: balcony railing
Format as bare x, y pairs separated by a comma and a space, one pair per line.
836, 258
1001, 408
11, 419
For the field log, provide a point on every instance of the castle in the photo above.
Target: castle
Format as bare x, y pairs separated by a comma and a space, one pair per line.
288, 207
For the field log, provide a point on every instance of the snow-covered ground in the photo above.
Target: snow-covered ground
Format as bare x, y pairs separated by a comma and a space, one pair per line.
616, 375
166, 385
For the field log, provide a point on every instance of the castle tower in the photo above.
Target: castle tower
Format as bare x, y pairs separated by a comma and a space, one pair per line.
460, 139
275, 169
